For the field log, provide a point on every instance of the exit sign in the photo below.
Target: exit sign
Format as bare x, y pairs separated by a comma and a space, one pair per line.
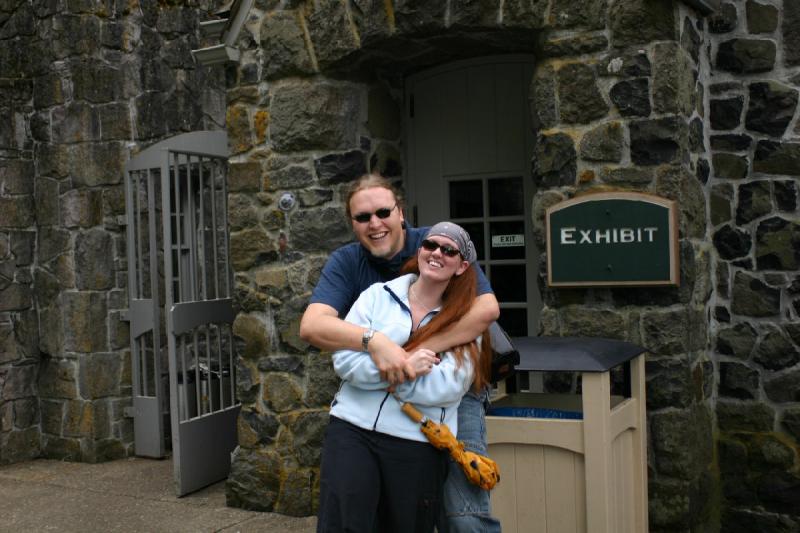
612, 239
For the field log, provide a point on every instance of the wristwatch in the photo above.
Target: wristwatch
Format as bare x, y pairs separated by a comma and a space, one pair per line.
366, 337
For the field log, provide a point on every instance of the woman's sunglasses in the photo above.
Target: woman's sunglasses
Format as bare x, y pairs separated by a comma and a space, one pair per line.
447, 250
381, 213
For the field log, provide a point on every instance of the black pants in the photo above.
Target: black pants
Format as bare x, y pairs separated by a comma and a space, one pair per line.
375, 483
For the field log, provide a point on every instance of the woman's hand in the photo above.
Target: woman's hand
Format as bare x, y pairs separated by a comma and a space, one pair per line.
422, 361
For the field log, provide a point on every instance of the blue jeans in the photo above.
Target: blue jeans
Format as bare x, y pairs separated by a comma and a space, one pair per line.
466, 506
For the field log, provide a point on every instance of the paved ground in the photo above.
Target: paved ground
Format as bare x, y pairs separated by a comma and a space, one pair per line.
129, 495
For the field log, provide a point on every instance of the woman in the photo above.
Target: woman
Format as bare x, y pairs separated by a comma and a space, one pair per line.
379, 473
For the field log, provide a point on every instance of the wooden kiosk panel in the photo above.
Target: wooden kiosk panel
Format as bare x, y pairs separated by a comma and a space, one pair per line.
574, 476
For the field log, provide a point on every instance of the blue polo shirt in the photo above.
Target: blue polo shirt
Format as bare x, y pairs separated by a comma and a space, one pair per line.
351, 269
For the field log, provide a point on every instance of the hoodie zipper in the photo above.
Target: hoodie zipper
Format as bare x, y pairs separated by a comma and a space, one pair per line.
375, 425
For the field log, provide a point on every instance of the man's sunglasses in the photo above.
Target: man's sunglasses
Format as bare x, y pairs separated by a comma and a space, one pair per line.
447, 250
381, 213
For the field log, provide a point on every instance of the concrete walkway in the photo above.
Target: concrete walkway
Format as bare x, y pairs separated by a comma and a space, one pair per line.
129, 495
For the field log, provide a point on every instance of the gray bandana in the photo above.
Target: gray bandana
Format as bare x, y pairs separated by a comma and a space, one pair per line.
458, 235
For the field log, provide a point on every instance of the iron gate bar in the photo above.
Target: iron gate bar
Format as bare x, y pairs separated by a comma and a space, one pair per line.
188, 171
143, 317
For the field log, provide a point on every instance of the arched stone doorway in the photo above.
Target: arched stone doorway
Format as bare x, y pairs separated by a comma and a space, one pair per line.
319, 98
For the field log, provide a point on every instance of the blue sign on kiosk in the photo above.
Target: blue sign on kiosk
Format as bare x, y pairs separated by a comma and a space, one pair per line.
612, 239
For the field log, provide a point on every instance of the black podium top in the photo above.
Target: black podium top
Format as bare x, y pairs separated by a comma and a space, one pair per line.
573, 354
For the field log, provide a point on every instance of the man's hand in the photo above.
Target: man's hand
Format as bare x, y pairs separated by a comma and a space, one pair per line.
390, 359
422, 361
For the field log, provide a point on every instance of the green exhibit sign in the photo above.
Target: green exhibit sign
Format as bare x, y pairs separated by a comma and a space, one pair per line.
608, 239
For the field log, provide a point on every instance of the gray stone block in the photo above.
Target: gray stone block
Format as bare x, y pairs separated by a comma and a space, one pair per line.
771, 108
738, 381
574, 45
676, 183
732, 242
631, 177
723, 20
543, 96
77, 419
255, 479
761, 18
332, 33
778, 244
250, 247
774, 351
18, 446
319, 116
747, 520
81, 208
580, 101
17, 176
578, 13
17, 212
383, 114
253, 332
99, 375
669, 383
84, 322
658, 141
720, 200
731, 142
746, 56
603, 143
673, 80
791, 33
57, 379
555, 161
784, 388
785, 194
726, 113
256, 429
305, 433
635, 22
19, 382
751, 297
729, 166
281, 392
777, 158
94, 260
744, 416
668, 503
16, 297
319, 229
682, 441
420, 16
284, 46
691, 41
52, 416
340, 168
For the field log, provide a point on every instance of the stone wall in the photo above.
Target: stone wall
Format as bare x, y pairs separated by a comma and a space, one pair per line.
89, 82
753, 140
627, 114
619, 96
19, 324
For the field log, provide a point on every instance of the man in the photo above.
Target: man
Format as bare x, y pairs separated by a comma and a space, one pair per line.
385, 242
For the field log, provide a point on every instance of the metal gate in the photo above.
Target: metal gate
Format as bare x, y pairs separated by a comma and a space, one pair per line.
178, 253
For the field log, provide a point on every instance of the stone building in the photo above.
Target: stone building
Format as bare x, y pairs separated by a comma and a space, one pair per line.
534, 101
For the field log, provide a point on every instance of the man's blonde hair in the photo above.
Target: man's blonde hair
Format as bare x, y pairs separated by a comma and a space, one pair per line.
371, 181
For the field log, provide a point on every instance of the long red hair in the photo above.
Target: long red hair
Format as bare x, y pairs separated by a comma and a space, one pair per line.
457, 299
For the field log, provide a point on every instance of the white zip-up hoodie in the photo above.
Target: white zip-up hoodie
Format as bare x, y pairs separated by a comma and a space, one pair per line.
362, 398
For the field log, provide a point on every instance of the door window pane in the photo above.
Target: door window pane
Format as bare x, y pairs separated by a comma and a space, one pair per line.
505, 197
509, 283
466, 199
514, 321
507, 240
475, 230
